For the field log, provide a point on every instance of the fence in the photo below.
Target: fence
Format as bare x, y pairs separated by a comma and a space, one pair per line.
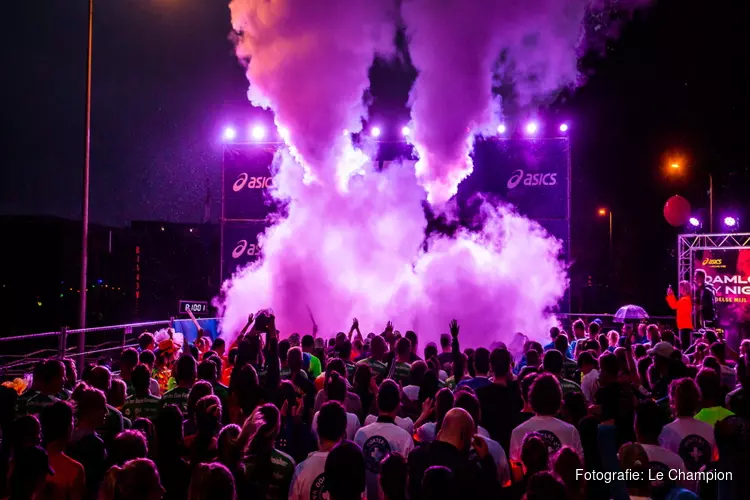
20, 353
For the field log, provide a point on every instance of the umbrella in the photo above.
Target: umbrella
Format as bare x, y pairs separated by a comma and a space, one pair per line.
630, 313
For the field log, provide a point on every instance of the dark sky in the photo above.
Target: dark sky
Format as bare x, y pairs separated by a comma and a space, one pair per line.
166, 80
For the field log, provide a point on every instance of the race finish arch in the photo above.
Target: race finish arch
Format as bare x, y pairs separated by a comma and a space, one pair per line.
532, 174
726, 260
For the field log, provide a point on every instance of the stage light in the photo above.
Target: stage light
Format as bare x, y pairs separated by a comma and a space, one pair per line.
694, 222
258, 132
532, 128
375, 131
230, 133
501, 129
564, 127
730, 221
405, 131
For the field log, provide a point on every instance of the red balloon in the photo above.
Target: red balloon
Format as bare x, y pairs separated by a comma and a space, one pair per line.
677, 211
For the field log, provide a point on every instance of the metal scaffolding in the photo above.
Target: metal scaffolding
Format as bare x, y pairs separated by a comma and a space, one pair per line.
687, 244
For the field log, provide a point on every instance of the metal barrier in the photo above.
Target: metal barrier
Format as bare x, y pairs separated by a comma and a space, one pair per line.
19, 353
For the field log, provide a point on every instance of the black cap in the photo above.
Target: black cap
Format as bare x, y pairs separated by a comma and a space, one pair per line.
32, 459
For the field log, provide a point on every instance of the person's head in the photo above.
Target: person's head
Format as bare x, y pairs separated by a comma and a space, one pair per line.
526, 383
335, 387
653, 334
28, 473
219, 346
545, 486
684, 397
709, 384
100, 378
71, 373
26, 431
534, 453
208, 416
719, 351
128, 360
118, 393
445, 342
481, 362
458, 429
52, 377
169, 430
532, 359
417, 372
377, 347
393, 476
439, 483
147, 358
389, 398
553, 362
430, 350
294, 360
199, 390
443, 403
308, 343
146, 342
613, 338
91, 406
331, 423
211, 481
128, 445
207, 371
345, 350
565, 465
57, 423
412, 336
554, 332
579, 329
136, 480
545, 395
587, 362
362, 377
345, 472
403, 349
608, 365
228, 453
561, 343
269, 430
699, 277
186, 370
141, 379
649, 422
500, 362
633, 457
594, 329
469, 402
684, 288
574, 407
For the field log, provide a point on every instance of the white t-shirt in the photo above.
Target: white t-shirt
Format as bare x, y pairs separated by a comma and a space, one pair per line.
153, 388
377, 441
405, 423
555, 433
411, 392
308, 482
352, 425
663, 460
691, 439
590, 384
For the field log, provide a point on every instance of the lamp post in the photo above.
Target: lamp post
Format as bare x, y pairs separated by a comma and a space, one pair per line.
603, 212
677, 167
85, 197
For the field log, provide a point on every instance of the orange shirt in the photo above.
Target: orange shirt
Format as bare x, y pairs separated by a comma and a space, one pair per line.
684, 308
69, 481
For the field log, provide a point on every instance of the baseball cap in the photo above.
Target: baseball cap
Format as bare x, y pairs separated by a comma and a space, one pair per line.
663, 349
32, 459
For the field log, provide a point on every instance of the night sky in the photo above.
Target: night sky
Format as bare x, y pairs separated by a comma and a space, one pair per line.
165, 81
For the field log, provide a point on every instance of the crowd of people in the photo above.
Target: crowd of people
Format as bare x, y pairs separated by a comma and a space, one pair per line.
636, 413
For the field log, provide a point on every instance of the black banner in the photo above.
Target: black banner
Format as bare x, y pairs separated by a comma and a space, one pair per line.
247, 177
239, 245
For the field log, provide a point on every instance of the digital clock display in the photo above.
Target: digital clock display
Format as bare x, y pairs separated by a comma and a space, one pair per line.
194, 306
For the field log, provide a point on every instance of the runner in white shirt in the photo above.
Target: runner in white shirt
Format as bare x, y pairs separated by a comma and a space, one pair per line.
426, 433
649, 422
384, 436
352, 424
691, 439
545, 397
336, 391
590, 369
405, 423
308, 482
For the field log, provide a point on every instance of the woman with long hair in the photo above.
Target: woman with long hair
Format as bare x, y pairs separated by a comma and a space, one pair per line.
212, 482
136, 480
202, 447
268, 471
427, 431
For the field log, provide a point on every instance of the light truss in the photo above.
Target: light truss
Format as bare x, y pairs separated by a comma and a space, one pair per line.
688, 244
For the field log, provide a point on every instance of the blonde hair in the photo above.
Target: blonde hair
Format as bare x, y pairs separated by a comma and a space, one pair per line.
684, 285
135, 480
613, 338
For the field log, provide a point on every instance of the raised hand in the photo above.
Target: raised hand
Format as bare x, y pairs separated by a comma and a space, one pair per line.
454, 328
389, 327
250, 318
355, 324
428, 407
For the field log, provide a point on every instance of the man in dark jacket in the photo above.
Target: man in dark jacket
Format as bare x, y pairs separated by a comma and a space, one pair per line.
473, 478
704, 301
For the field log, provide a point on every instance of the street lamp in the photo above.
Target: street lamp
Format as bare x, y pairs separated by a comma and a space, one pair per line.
677, 166
603, 212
